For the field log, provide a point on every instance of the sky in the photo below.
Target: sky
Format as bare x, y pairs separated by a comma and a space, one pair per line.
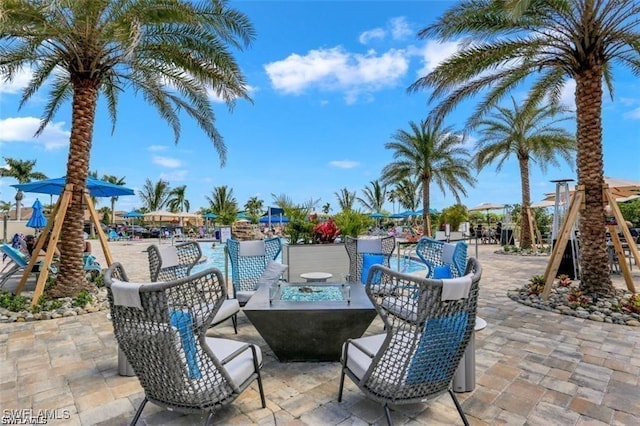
328, 80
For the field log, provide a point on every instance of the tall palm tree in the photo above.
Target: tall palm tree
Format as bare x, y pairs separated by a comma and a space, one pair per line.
5, 206
392, 195
154, 196
547, 42
171, 52
432, 155
22, 171
346, 199
116, 181
223, 204
374, 196
527, 132
177, 200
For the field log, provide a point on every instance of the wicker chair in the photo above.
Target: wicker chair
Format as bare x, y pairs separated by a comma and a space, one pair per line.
360, 249
161, 329
174, 262
249, 260
436, 253
425, 339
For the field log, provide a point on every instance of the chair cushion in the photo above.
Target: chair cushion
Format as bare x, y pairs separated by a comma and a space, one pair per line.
272, 272
243, 296
442, 271
241, 367
183, 322
441, 337
368, 260
358, 362
229, 307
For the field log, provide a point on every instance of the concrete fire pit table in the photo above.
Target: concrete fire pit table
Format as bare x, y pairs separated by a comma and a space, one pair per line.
310, 321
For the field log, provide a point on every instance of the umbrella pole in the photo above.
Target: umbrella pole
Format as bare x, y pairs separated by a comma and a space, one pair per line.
101, 236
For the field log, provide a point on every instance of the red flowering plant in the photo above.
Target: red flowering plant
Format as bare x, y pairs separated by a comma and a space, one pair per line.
325, 232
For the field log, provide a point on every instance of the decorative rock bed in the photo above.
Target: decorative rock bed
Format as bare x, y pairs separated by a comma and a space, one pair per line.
605, 309
99, 303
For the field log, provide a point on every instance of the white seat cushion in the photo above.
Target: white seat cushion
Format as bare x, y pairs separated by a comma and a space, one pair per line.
241, 367
358, 362
228, 308
244, 296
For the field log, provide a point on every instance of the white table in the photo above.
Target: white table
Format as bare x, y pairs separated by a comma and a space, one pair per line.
464, 380
312, 277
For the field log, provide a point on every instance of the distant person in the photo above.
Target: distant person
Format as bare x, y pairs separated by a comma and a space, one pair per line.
87, 244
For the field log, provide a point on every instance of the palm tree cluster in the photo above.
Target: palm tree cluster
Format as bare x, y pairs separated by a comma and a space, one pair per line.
543, 44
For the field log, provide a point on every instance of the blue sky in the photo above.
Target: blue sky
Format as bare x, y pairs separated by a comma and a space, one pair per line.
328, 80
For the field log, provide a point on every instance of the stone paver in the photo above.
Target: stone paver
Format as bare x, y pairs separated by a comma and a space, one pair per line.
532, 367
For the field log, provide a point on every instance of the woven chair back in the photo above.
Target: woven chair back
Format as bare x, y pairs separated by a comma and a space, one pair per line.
183, 257
164, 341
431, 252
386, 247
425, 336
245, 270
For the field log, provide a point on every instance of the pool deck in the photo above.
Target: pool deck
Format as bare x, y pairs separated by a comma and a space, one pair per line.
533, 367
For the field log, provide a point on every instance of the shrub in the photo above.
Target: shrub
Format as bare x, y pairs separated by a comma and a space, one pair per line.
536, 285
82, 299
633, 304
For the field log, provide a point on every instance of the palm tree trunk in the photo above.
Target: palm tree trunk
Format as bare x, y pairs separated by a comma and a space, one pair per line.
71, 278
525, 232
593, 261
426, 217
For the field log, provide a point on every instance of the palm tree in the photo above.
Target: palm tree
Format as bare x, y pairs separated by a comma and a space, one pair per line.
172, 52
177, 200
154, 196
430, 154
374, 196
551, 41
22, 171
393, 197
5, 206
326, 208
254, 207
116, 181
407, 193
223, 204
529, 135
346, 199
283, 201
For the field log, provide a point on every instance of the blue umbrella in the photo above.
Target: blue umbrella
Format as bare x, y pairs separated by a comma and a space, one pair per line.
96, 187
37, 219
376, 215
133, 214
209, 216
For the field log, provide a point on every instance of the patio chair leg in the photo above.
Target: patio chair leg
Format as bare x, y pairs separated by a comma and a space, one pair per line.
139, 412
387, 413
459, 407
341, 385
264, 402
209, 420
234, 320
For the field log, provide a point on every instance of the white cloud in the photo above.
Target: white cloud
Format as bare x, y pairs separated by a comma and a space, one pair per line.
175, 176
633, 114
22, 129
374, 34
171, 163
400, 28
337, 70
433, 53
19, 82
156, 148
344, 164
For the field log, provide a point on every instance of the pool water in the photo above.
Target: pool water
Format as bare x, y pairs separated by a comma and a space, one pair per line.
215, 259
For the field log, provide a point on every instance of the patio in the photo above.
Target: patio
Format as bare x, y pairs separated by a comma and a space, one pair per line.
533, 367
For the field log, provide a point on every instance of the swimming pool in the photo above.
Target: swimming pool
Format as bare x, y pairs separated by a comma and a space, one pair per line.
216, 257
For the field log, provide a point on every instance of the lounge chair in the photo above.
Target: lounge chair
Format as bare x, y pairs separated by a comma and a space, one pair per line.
253, 262
18, 261
443, 260
366, 252
174, 262
161, 329
426, 336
